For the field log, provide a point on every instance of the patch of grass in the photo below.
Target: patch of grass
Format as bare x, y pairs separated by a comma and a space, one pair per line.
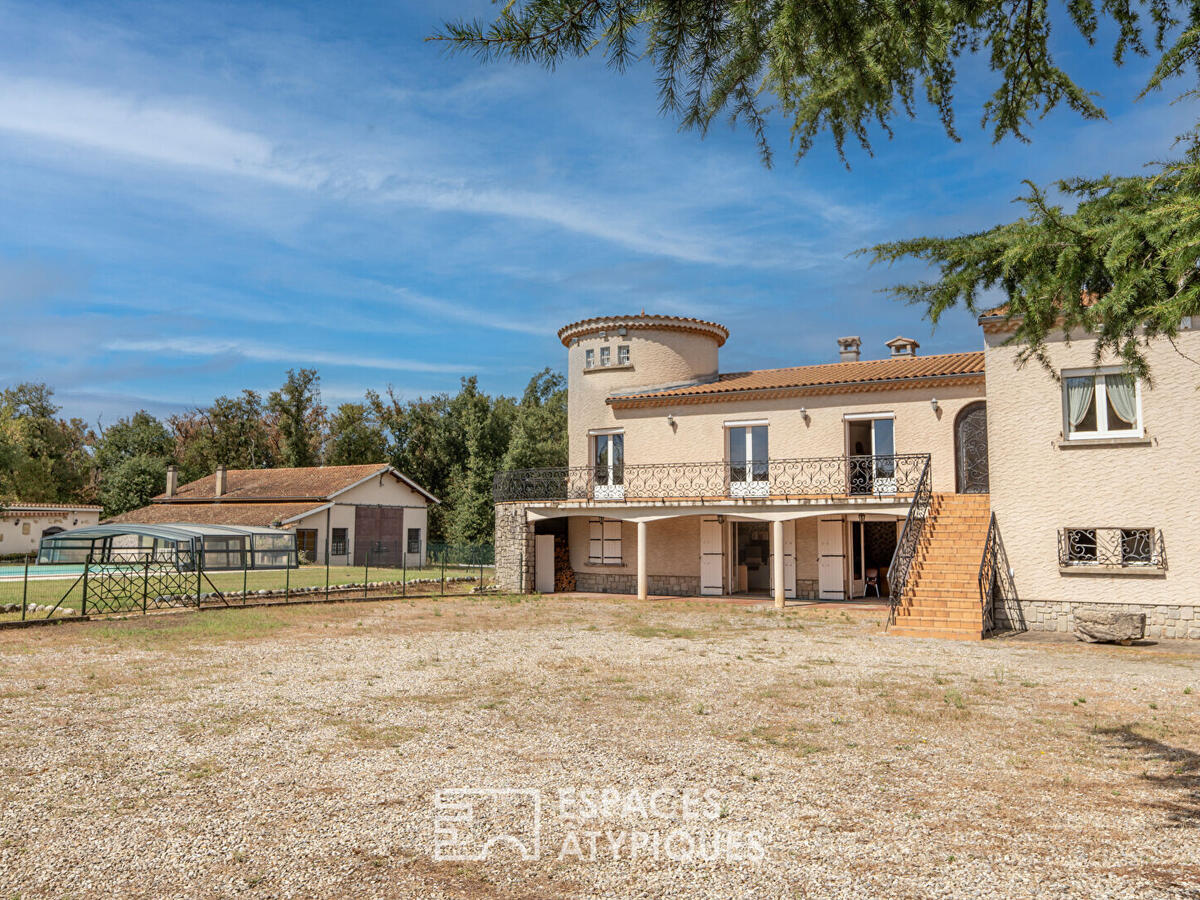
664, 631
380, 737
203, 769
954, 698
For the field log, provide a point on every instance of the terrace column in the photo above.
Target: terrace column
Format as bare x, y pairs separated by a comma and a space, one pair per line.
642, 579
777, 562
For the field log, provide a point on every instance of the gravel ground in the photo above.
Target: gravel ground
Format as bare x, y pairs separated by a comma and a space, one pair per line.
703, 750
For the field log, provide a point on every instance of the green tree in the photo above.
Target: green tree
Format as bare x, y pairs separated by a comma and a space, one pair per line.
539, 429
1126, 255
233, 431
355, 437
299, 419
49, 458
130, 483
132, 458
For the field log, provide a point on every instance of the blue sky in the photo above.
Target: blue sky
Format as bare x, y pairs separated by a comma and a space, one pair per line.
199, 196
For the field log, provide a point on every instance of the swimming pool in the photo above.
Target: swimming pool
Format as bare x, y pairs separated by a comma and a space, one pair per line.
16, 573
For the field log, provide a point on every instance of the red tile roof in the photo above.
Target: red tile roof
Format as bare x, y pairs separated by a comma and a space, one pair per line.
827, 377
609, 323
73, 507
263, 514
311, 483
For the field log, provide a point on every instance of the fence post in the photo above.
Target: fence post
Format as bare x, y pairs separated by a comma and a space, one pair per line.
246, 571
366, 570
326, 566
287, 578
145, 583
443, 571
199, 572
25, 589
404, 573
87, 565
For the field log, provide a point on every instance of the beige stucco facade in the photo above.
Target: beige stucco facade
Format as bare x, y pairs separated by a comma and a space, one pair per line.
22, 526
659, 387
340, 511
1042, 483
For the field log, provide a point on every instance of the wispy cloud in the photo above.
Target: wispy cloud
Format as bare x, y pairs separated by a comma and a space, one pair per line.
459, 311
200, 346
177, 133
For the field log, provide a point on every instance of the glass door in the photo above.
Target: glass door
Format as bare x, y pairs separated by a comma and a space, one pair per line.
609, 450
871, 456
748, 461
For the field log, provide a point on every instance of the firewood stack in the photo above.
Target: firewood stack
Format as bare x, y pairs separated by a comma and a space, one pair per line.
564, 575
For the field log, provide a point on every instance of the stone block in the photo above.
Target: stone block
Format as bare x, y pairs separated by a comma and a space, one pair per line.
1094, 624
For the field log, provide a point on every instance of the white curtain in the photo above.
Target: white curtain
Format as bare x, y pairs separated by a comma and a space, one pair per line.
1123, 396
1079, 397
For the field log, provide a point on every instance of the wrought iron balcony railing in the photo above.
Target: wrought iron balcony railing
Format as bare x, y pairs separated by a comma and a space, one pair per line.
1112, 546
776, 479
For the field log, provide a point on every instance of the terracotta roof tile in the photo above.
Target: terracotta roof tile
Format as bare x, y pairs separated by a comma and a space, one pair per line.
73, 507
316, 482
815, 378
679, 323
215, 513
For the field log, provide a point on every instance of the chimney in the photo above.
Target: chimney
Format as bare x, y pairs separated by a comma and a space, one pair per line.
848, 348
902, 346
172, 479
220, 485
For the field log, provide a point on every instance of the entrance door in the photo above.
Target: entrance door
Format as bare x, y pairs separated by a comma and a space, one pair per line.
712, 556
971, 449
831, 560
609, 451
543, 549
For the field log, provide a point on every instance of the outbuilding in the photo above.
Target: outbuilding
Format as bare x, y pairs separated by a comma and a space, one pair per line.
342, 515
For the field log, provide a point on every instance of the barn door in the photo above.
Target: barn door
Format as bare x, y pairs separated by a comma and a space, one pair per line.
378, 532
712, 556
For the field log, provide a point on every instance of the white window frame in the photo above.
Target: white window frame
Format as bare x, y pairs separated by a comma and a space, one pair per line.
622, 354
589, 358
1101, 401
605, 356
604, 542
611, 490
750, 487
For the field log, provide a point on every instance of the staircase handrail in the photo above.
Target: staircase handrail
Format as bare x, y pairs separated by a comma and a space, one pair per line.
910, 541
995, 576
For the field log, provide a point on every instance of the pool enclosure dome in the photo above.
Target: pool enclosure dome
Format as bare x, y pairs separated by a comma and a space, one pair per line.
213, 547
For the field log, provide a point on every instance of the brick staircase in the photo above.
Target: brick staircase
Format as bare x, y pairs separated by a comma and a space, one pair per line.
942, 599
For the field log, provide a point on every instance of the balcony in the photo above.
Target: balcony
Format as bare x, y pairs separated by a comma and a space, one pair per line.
819, 478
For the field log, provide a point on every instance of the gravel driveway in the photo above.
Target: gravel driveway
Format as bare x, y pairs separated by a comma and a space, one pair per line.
643, 750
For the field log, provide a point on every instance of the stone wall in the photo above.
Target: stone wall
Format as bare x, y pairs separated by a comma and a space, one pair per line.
1050, 615
514, 548
618, 583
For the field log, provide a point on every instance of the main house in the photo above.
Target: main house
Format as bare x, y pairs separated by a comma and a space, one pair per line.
343, 515
975, 493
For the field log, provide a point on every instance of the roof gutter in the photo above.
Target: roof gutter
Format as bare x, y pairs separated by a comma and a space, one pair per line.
829, 387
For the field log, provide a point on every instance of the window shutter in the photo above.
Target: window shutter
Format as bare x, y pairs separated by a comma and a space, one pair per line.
612, 541
596, 541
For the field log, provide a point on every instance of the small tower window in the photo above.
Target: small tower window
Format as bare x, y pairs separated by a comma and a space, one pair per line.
589, 358
605, 354
623, 355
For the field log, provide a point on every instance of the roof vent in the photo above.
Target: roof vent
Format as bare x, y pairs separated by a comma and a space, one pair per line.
902, 346
848, 348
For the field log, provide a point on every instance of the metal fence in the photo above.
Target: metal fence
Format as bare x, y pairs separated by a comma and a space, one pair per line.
137, 584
